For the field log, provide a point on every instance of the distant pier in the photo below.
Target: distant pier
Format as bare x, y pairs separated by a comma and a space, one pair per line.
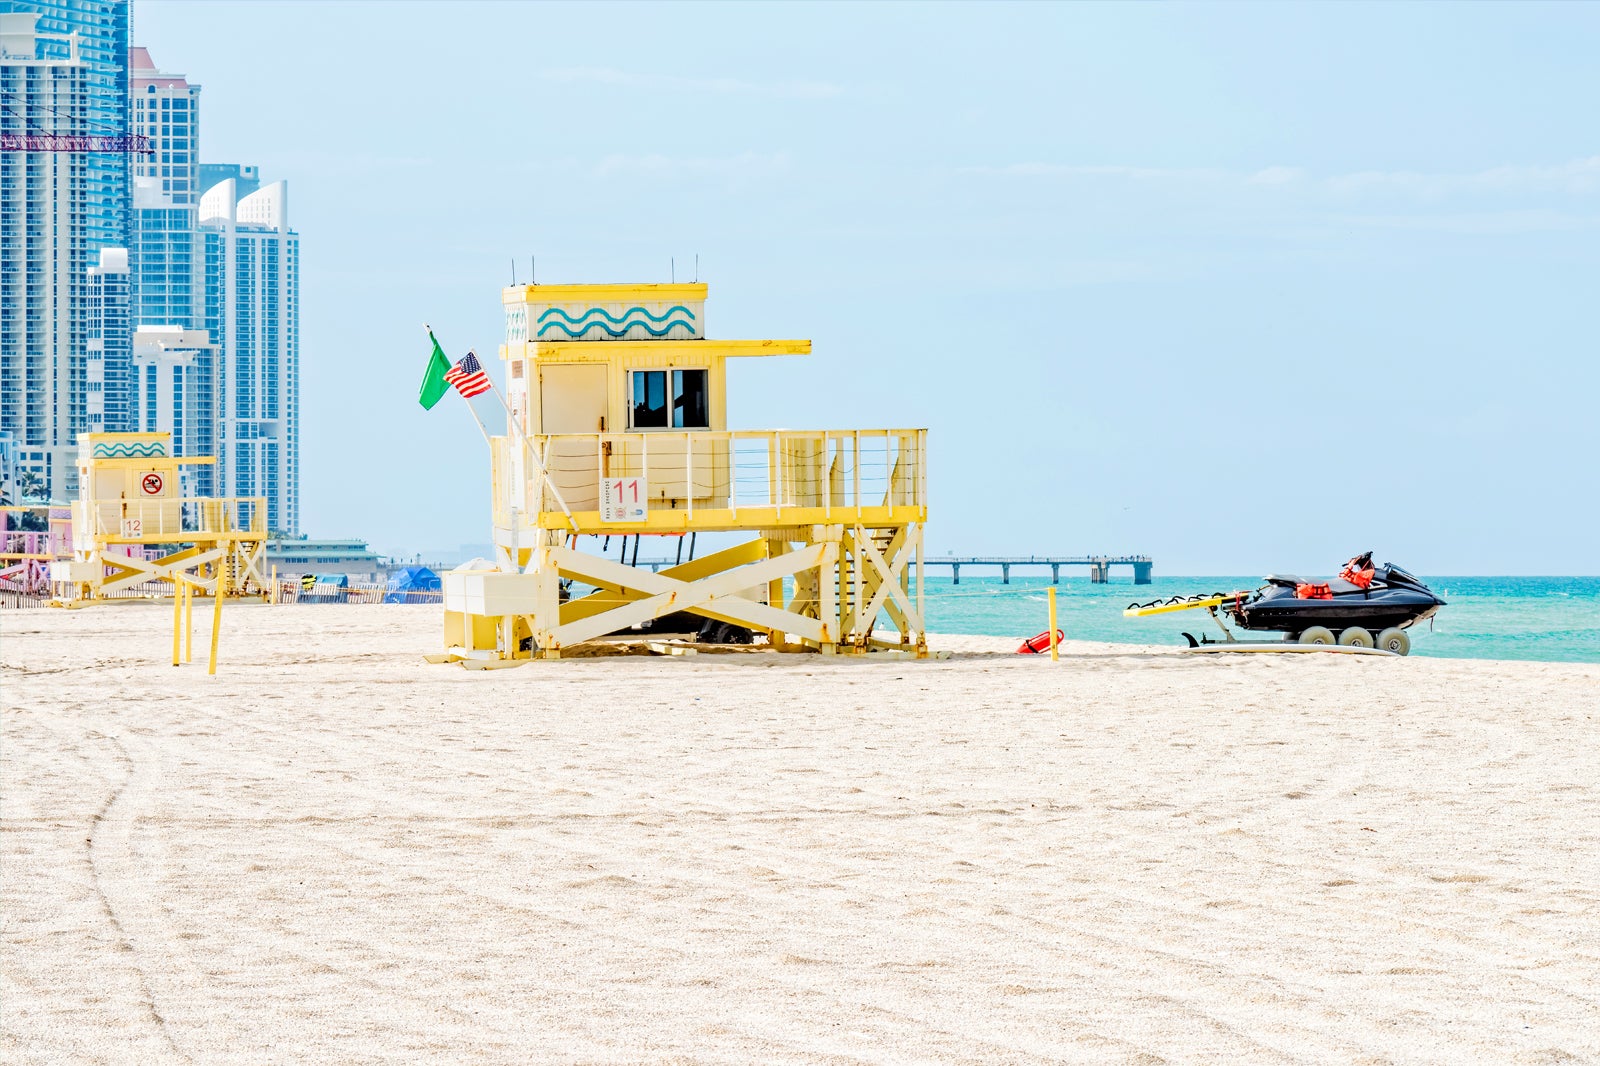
1099, 565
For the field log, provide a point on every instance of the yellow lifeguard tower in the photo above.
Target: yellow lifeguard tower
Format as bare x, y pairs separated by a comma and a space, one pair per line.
618, 409
132, 525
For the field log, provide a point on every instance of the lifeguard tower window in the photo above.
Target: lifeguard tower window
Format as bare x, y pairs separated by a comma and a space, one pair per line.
686, 408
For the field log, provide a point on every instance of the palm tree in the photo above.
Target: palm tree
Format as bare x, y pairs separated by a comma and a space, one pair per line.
31, 488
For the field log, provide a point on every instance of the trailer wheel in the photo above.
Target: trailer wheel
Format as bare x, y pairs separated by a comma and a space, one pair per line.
1356, 637
1395, 640
1317, 635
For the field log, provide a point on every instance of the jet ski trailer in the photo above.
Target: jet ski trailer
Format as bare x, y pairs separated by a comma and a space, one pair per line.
1342, 613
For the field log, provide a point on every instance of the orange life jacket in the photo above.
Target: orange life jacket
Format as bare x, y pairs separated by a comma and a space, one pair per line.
1361, 579
1313, 591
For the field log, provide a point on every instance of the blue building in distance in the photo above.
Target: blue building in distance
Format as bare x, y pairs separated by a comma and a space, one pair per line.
63, 70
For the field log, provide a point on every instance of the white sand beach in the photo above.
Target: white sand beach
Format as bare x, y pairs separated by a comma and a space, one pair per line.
333, 852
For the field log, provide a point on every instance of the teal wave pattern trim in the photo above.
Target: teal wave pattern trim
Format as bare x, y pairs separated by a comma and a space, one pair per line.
152, 450
613, 331
662, 317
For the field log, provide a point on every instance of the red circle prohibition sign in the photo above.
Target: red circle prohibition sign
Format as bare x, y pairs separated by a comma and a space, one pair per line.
151, 484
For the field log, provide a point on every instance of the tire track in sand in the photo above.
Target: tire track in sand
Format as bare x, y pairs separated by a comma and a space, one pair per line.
111, 860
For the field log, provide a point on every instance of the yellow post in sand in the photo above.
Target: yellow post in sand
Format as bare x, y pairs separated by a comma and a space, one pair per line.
188, 622
216, 613
177, 618
1054, 654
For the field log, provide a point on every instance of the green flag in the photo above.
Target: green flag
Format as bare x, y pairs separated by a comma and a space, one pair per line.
433, 383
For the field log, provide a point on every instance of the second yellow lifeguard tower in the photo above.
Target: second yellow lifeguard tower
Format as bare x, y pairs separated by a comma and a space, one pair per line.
133, 529
618, 408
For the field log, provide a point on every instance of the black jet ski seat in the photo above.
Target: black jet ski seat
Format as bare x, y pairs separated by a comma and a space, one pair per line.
1288, 581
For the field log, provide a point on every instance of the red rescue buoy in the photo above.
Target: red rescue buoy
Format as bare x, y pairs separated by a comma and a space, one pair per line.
1035, 645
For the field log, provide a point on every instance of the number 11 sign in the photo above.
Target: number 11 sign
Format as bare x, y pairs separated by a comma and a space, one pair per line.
624, 499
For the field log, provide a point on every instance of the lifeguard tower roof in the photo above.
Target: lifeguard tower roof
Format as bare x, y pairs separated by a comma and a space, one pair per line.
554, 313
580, 353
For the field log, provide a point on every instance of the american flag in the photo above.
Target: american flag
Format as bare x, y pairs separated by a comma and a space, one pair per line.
468, 376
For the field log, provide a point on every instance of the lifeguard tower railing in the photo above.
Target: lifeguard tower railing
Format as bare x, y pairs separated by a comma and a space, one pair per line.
714, 480
169, 521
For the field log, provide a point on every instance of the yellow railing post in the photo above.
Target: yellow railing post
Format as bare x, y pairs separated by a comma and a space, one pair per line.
188, 622
827, 480
1054, 656
216, 615
177, 618
774, 478
855, 473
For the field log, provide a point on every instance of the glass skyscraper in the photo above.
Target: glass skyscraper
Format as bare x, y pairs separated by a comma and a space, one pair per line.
63, 70
108, 363
252, 311
171, 393
166, 195
93, 34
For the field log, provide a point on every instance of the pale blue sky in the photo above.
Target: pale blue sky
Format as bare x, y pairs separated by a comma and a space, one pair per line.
1247, 287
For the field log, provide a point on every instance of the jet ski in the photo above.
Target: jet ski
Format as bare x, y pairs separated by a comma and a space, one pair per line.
1366, 606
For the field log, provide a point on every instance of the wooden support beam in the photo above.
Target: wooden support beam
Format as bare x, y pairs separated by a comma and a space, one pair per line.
608, 596
887, 578
131, 571
718, 595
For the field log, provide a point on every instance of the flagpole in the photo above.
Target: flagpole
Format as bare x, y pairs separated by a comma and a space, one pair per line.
527, 445
481, 427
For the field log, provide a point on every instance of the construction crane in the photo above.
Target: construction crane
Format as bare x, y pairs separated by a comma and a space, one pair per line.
75, 142
32, 139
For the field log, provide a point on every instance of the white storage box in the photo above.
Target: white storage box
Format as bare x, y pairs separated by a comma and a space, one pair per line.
489, 592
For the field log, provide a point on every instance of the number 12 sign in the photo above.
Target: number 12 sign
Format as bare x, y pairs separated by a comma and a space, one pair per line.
624, 499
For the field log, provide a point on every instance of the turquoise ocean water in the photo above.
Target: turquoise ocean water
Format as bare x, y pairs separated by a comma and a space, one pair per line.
1556, 619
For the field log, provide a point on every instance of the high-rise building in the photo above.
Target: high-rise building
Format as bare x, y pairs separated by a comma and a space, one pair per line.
108, 360
171, 393
166, 195
93, 35
63, 70
252, 312
246, 177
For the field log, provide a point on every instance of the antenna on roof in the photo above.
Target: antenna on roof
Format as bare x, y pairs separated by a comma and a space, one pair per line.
697, 268
674, 263
513, 270
533, 270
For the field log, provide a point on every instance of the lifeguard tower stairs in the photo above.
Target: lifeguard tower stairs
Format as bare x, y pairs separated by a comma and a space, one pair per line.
135, 533
618, 426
